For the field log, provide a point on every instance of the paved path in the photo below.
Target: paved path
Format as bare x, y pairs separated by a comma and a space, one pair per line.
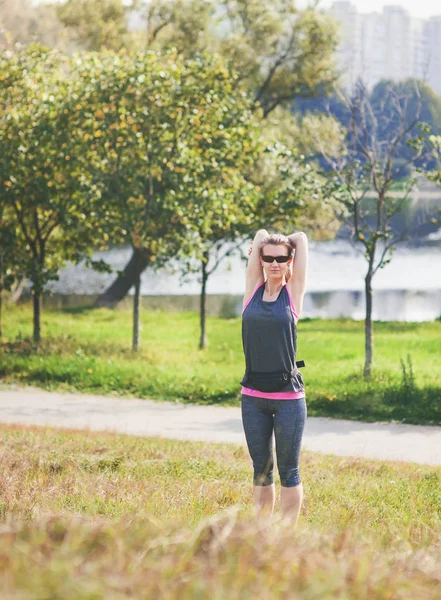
388, 441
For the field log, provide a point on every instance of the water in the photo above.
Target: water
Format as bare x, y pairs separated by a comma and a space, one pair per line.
408, 288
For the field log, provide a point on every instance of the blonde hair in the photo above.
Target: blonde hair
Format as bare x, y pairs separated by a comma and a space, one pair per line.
278, 239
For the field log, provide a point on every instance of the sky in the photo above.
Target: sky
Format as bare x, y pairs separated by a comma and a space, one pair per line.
417, 8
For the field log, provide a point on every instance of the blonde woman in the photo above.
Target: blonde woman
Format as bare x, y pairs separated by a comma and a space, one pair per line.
273, 394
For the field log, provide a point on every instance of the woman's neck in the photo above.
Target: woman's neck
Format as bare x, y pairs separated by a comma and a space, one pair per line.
273, 287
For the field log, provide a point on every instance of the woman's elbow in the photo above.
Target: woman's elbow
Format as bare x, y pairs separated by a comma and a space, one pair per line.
261, 234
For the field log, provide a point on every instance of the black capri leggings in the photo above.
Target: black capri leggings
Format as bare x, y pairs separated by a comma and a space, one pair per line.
260, 417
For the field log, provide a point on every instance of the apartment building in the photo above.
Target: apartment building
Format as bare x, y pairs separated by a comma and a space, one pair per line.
433, 37
391, 45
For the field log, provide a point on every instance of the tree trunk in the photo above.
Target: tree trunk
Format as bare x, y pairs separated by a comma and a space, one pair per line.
203, 310
1, 294
37, 316
136, 297
368, 326
122, 284
17, 291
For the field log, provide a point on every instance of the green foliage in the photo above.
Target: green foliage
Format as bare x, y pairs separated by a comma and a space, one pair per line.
412, 93
279, 50
168, 138
26, 22
96, 24
41, 176
186, 25
10, 258
145, 149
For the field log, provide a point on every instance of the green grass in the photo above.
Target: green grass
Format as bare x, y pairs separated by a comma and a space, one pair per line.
95, 515
89, 350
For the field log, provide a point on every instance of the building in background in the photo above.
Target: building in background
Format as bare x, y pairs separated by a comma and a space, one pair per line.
349, 51
433, 36
387, 45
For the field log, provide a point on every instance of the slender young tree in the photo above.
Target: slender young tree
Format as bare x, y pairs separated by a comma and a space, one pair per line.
275, 190
365, 176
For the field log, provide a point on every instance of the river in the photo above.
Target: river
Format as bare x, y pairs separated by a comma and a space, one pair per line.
408, 288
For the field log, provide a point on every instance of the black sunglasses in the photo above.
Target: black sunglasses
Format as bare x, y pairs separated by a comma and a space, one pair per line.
278, 259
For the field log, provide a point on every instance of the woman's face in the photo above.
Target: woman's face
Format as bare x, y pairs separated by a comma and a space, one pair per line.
274, 269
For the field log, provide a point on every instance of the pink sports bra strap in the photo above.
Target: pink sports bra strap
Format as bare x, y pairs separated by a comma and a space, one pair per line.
296, 316
251, 297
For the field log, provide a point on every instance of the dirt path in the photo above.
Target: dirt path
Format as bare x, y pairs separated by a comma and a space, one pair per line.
411, 443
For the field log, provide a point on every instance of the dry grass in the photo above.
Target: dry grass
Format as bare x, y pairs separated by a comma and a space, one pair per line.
96, 515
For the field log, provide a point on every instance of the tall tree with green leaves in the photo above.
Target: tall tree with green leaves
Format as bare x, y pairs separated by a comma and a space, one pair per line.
41, 174
162, 129
223, 209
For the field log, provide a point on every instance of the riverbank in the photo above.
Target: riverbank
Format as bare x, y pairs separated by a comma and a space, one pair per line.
89, 351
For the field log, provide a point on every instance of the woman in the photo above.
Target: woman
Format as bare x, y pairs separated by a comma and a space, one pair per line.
273, 395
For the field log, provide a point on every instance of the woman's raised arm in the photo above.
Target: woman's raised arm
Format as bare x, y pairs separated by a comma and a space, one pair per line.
254, 269
297, 282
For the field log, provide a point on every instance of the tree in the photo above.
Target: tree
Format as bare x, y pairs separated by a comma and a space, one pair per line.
277, 51
97, 24
9, 254
40, 167
418, 95
168, 138
365, 171
22, 21
226, 208
291, 172
185, 25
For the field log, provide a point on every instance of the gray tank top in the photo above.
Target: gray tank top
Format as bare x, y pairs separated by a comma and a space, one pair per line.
269, 337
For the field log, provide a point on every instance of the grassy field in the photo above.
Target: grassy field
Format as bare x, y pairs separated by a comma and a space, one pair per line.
96, 515
89, 350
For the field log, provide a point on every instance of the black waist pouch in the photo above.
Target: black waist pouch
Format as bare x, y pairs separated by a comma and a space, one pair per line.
274, 381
